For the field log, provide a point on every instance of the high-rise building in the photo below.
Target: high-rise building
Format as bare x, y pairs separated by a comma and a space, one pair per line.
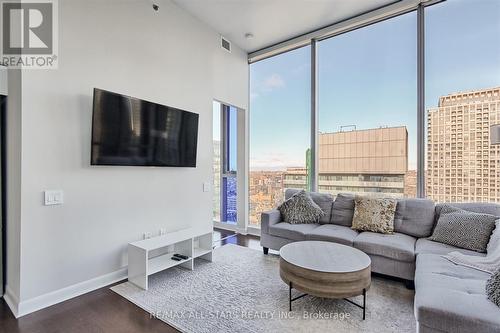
410, 190
365, 162
462, 163
295, 178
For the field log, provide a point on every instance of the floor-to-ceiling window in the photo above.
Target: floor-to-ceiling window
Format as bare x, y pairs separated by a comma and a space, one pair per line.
225, 129
462, 90
279, 128
367, 140
371, 136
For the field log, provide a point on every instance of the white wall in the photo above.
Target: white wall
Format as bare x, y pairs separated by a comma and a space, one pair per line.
228, 69
167, 57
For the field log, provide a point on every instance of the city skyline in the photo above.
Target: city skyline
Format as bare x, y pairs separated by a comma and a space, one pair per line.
364, 162
461, 165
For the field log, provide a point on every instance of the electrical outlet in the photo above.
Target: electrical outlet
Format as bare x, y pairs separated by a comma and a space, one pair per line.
163, 231
146, 235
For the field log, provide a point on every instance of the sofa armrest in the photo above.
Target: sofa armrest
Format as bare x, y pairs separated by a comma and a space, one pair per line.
269, 218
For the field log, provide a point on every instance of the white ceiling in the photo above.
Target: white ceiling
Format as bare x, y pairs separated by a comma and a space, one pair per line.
273, 21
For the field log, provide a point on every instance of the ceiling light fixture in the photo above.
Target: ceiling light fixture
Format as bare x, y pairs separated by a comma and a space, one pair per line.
248, 35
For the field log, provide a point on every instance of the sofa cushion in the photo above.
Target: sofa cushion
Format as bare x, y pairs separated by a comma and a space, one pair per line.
394, 246
452, 298
333, 233
444, 271
374, 214
426, 246
291, 231
463, 228
414, 217
343, 209
323, 200
476, 207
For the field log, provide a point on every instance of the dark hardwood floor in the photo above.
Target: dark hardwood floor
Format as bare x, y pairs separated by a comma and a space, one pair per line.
101, 310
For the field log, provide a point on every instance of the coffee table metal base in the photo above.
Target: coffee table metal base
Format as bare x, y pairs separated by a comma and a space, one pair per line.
290, 299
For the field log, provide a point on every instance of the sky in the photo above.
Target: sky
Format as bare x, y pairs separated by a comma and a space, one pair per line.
368, 78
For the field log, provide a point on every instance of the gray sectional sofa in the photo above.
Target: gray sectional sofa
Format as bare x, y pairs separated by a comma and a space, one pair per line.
448, 298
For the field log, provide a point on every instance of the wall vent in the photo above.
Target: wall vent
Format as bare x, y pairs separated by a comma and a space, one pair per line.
225, 44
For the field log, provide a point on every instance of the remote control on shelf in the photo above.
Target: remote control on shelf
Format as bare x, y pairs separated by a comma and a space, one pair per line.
181, 256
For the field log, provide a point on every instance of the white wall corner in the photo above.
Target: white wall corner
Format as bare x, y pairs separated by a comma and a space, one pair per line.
12, 301
37, 303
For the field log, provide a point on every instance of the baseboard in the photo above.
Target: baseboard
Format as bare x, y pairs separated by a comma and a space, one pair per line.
230, 227
11, 300
254, 231
37, 303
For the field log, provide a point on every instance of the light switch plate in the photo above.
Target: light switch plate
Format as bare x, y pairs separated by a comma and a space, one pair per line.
206, 187
53, 197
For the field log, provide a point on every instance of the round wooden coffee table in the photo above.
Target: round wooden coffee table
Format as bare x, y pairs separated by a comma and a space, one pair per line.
325, 269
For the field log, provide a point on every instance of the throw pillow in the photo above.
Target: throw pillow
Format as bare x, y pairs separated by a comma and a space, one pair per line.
300, 208
493, 288
463, 229
374, 214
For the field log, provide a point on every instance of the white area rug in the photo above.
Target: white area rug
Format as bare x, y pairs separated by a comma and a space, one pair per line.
241, 291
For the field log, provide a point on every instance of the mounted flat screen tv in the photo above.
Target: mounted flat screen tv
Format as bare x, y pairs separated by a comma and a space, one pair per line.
134, 132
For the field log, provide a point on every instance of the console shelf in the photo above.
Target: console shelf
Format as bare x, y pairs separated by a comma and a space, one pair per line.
200, 252
153, 255
162, 262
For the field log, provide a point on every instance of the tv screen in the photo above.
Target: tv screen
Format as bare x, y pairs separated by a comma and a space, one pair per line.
130, 131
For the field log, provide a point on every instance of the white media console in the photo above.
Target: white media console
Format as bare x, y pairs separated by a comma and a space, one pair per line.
152, 255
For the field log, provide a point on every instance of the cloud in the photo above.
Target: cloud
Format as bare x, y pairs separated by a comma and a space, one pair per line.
274, 162
275, 81
266, 86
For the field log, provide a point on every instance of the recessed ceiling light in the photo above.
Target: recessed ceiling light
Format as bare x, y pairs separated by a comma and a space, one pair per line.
248, 35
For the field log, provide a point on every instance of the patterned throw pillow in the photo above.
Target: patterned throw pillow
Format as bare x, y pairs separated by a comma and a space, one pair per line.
463, 229
300, 208
374, 214
493, 288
